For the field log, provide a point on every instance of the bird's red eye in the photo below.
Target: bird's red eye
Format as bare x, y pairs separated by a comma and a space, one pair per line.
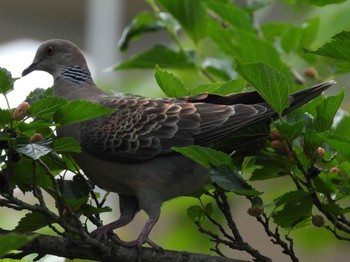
50, 50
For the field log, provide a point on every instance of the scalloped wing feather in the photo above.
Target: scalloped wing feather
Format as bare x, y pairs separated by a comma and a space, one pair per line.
143, 128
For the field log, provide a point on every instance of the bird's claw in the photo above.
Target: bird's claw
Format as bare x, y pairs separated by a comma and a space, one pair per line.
102, 234
138, 244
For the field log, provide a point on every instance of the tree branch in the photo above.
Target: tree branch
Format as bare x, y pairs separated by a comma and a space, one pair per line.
63, 247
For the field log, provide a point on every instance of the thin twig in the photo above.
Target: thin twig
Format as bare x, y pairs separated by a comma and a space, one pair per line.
276, 238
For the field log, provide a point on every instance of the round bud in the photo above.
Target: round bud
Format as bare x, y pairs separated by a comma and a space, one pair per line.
36, 138
334, 169
255, 211
275, 135
317, 221
320, 151
280, 147
310, 72
21, 111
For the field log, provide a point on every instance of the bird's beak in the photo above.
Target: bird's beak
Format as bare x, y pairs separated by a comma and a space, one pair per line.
31, 68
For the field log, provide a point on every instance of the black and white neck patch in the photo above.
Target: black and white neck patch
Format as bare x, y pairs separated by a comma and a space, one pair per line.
76, 74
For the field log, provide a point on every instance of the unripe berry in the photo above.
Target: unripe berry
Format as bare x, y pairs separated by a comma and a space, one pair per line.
280, 147
36, 138
275, 135
310, 72
255, 211
320, 152
317, 221
334, 169
21, 111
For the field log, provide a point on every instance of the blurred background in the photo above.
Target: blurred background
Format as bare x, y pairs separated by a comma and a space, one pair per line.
96, 26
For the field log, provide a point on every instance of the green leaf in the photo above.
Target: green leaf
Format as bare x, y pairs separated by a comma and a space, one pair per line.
221, 37
5, 116
293, 212
290, 131
35, 125
4, 136
249, 165
32, 150
219, 67
231, 86
233, 15
79, 111
337, 49
76, 192
269, 82
271, 168
209, 208
291, 39
254, 50
46, 106
310, 31
207, 157
324, 2
196, 214
273, 30
89, 210
66, 144
202, 88
25, 170
142, 23
56, 165
312, 139
160, 55
291, 196
38, 94
225, 88
336, 210
326, 111
230, 180
345, 168
171, 85
340, 143
32, 222
343, 126
22, 176
327, 183
6, 82
12, 241
190, 14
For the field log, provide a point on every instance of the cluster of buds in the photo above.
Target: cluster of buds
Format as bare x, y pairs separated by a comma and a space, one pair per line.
21, 111
317, 221
311, 73
255, 211
321, 152
278, 143
336, 170
36, 138
339, 173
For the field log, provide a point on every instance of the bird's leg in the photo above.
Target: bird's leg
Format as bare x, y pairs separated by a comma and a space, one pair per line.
129, 206
143, 237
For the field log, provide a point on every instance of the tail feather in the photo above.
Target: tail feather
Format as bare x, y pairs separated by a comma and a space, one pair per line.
304, 96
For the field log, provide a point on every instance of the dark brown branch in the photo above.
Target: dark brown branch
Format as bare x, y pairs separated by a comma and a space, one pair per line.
224, 206
276, 238
63, 247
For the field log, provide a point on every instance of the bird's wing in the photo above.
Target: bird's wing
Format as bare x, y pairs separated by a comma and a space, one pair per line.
143, 128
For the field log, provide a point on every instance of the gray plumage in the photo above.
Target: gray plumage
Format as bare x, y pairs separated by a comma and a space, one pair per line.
129, 151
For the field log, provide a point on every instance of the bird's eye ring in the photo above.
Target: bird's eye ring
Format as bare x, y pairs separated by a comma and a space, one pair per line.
50, 50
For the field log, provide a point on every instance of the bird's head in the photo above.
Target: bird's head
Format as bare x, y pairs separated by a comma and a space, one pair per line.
54, 55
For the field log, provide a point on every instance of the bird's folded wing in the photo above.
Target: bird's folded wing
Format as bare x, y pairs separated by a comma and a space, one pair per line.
144, 128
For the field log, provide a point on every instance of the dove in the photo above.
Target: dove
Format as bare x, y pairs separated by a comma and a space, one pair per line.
130, 151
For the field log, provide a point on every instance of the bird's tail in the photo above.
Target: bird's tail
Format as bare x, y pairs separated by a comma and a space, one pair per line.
304, 96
